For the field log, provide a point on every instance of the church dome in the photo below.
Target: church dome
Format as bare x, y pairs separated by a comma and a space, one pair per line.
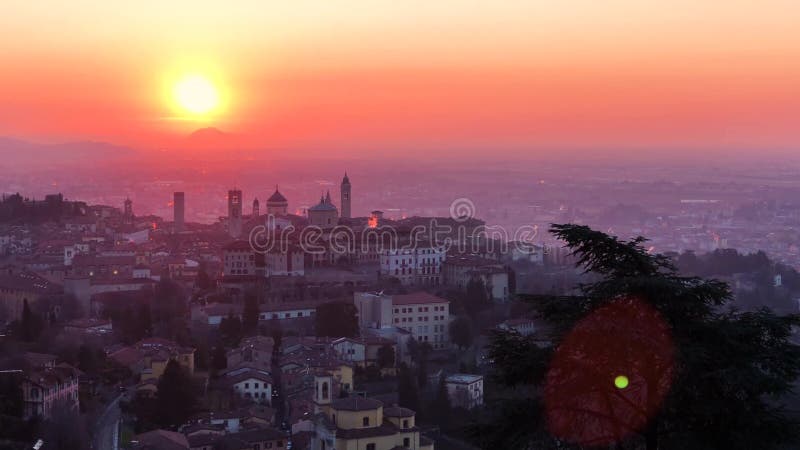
322, 206
277, 197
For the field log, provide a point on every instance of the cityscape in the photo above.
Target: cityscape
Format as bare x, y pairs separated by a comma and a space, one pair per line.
383, 226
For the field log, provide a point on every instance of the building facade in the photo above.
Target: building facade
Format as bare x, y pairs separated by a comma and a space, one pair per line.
465, 390
235, 213
418, 266
425, 316
359, 423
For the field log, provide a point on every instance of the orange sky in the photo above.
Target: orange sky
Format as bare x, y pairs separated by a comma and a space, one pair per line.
364, 76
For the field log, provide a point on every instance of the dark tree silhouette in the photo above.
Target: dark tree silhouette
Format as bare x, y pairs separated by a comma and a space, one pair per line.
697, 374
203, 280
175, 398
250, 315
407, 392
386, 356
30, 324
440, 407
461, 332
219, 360
230, 329
336, 319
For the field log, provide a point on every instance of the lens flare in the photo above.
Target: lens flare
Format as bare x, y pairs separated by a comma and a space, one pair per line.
610, 374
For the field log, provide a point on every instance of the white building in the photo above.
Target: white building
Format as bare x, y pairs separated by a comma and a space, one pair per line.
251, 384
288, 311
459, 270
424, 315
465, 390
50, 388
525, 327
350, 350
421, 266
284, 262
524, 251
238, 259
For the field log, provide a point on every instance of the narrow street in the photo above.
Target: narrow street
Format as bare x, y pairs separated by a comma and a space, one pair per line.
106, 430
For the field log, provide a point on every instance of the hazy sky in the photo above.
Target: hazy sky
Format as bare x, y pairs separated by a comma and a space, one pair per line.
367, 76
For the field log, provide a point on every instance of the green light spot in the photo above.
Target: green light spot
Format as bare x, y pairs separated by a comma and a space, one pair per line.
621, 382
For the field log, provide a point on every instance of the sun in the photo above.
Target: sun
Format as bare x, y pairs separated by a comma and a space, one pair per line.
196, 94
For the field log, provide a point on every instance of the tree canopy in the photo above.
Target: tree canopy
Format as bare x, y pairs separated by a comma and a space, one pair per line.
336, 319
643, 358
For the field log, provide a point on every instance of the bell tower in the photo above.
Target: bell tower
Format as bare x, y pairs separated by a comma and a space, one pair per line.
323, 392
345, 192
234, 213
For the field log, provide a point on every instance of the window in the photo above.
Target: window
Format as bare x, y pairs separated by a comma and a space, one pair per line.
247, 385
406, 443
405, 425
370, 446
365, 421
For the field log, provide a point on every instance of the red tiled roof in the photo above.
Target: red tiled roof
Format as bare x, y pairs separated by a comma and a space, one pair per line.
417, 298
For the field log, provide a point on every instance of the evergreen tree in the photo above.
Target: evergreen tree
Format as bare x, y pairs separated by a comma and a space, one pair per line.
461, 332
230, 329
250, 315
645, 358
386, 356
219, 360
203, 280
407, 393
30, 323
336, 319
476, 298
144, 323
175, 398
440, 407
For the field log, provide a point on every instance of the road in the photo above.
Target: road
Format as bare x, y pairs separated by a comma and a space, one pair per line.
106, 430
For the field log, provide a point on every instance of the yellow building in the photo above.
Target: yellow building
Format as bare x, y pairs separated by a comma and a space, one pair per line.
149, 357
359, 423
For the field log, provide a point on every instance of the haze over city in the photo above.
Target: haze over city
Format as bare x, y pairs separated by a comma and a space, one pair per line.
352, 225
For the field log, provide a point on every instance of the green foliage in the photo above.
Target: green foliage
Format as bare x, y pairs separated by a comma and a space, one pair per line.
203, 280
440, 408
250, 315
175, 398
230, 330
407, 392
219, 360
64, 430
386, 356
30, 324
731, 368
461, 332
476, 297
336, 319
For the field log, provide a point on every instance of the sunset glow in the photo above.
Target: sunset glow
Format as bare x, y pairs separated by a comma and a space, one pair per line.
196, 94
518, 77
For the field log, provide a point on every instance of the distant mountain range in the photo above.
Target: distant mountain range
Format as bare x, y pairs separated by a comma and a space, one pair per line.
211, 138
15, 151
